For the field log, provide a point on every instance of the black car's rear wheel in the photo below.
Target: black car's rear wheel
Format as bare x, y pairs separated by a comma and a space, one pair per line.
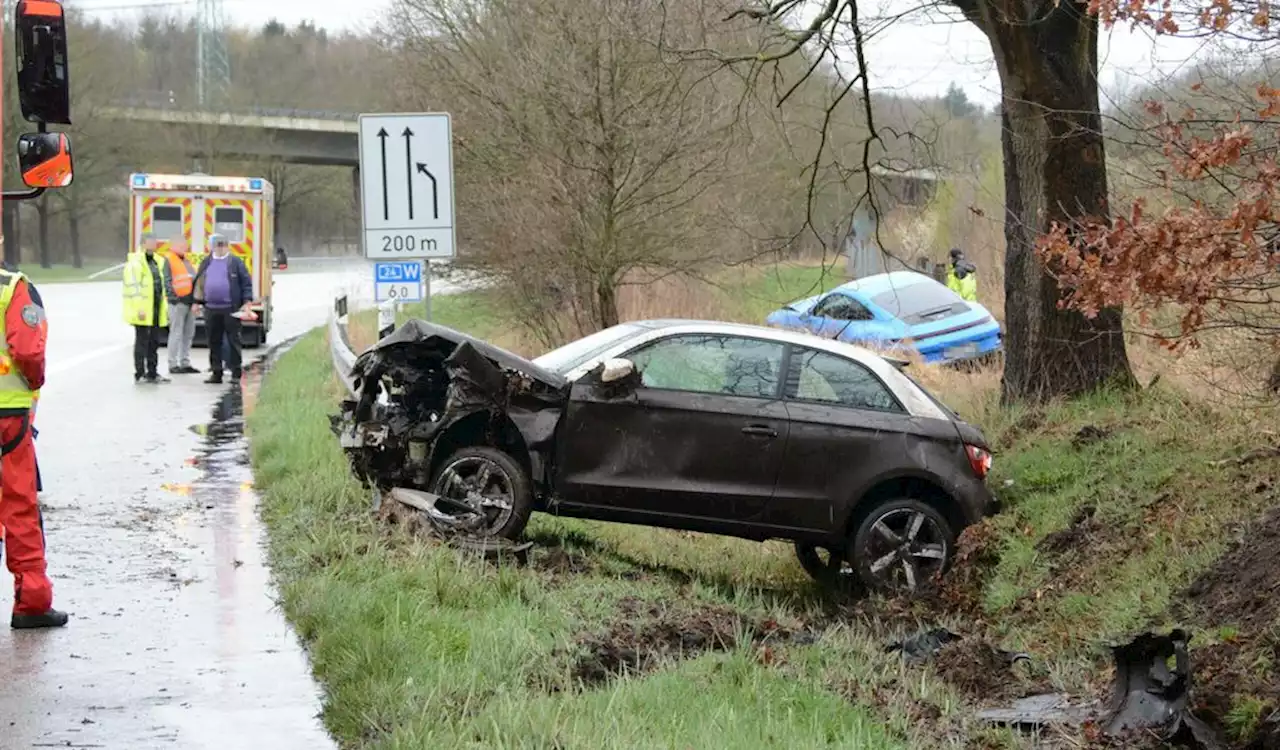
482, 492
829, 567
902, 546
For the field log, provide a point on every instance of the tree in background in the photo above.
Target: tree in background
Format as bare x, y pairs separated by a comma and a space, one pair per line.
588, 161
1203, 240
957, 102
151, 62
1054, 171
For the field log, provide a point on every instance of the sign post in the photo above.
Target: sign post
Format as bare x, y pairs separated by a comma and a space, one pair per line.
406, 198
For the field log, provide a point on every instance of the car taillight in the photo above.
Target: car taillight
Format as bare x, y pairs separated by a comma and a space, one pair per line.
980, 460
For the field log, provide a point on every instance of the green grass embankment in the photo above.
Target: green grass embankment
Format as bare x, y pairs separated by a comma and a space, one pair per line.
1115, 503
61, 274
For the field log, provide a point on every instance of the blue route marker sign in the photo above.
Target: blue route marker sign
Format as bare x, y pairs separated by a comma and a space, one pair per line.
399, 280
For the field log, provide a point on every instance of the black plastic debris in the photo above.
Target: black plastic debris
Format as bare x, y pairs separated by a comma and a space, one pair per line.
1150, 693
1088, 435
926, 644
923, 645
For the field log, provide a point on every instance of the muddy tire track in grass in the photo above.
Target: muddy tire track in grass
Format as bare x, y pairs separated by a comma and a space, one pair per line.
645, 636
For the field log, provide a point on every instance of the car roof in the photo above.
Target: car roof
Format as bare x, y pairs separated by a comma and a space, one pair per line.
871, 286
917, 401
781, 335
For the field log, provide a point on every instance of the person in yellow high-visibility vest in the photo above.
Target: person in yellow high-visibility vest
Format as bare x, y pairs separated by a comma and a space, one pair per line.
962, 276
146, 309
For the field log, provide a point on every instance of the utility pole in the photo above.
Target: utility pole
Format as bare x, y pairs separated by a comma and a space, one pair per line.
213, 64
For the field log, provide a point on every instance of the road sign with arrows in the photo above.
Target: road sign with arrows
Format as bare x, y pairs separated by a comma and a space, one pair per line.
406, 186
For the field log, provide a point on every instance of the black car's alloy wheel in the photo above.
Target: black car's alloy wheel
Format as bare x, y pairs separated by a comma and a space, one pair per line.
483, 492
902, 546
829, 567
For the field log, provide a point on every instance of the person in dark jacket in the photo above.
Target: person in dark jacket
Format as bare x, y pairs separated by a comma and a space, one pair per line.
223, 286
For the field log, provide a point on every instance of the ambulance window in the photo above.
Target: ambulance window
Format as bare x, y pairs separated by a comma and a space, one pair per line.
166, 222
229, 222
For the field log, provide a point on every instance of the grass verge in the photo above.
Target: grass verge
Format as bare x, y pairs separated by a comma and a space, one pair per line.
619, 636
420, 647
67, 274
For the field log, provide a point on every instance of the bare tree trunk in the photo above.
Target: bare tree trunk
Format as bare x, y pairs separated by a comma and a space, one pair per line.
42, 211
1055, 170
606, 303
12, 233
73, 228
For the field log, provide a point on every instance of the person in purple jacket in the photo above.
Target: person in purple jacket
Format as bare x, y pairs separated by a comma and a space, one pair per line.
223, 286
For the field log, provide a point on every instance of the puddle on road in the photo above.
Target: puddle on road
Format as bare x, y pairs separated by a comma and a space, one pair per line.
223, 495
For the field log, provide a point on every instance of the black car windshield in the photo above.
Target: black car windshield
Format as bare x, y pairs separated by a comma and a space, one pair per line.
575, 353
913, 299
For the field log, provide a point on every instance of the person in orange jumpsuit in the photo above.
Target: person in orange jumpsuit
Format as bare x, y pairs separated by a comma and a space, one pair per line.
22, 364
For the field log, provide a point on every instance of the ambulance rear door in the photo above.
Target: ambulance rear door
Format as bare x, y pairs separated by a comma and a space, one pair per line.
234, 216
168, 215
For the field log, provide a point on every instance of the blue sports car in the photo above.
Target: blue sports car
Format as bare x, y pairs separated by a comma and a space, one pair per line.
899, 310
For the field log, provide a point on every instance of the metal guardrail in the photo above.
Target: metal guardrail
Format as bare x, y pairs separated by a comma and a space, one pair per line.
344, 360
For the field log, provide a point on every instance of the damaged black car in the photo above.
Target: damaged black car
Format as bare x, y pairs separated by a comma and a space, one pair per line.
721, 428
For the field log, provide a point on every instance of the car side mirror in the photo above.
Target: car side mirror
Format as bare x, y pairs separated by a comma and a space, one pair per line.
44, 85
616, 369
45, 160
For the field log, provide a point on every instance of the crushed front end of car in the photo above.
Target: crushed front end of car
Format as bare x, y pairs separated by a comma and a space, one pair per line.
426, 390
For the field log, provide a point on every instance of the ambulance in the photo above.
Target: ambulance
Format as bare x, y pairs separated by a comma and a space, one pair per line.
194, 206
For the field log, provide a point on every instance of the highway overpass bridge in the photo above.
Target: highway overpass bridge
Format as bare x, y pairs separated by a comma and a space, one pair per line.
293, 136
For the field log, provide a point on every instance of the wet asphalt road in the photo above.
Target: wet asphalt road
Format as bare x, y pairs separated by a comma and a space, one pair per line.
155, 548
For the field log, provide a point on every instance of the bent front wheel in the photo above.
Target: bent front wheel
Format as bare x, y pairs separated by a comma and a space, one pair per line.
482, 492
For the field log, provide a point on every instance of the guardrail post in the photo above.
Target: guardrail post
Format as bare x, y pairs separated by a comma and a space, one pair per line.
386, 318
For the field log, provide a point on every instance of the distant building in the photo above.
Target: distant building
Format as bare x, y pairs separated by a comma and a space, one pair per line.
896, 190
899, 186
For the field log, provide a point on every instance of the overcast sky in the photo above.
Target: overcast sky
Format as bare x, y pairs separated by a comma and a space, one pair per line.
921, 56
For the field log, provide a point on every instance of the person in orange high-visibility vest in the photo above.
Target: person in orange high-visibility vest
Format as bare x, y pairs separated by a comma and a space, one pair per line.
179, 288
22, 370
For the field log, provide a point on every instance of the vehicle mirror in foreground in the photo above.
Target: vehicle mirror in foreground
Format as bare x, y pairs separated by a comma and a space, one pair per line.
44, 86
45, 160
616, 369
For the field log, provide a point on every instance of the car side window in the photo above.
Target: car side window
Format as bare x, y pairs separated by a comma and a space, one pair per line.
841, 307
827, 378
724, 365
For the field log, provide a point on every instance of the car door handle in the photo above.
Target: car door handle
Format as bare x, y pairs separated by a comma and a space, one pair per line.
760, 430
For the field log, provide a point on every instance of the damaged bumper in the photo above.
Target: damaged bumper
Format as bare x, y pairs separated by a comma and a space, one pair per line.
421, 381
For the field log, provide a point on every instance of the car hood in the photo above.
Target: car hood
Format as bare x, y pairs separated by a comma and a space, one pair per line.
424, 337
434, 376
